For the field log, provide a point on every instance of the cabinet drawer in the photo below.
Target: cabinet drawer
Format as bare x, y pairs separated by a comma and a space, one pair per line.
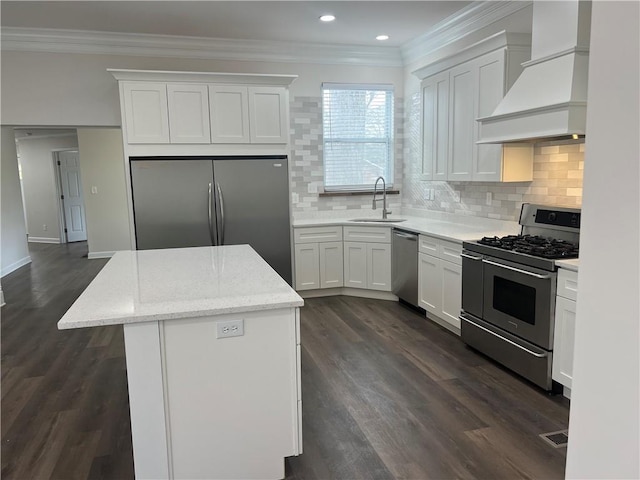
450, 251
428, 245
367, 234
317, 234
567, 284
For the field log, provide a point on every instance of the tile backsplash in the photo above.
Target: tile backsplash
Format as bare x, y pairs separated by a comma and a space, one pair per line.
307, 174
557, 180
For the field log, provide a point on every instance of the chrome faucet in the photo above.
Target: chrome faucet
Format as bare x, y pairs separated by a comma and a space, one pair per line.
385, 212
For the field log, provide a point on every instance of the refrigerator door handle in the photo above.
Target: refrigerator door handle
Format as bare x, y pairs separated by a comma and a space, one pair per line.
210, 214
221, 203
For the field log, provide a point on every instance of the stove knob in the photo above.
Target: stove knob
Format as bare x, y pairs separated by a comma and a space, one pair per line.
552, 216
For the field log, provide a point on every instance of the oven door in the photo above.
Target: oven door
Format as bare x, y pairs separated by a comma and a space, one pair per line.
520, 300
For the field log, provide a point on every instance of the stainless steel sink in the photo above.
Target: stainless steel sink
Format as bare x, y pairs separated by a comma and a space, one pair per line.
379, 220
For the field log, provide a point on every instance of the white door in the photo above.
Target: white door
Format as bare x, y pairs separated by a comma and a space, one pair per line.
355, 264
451, 292
229, 111
462, 121
188, 113
307, 266
429, 283
72, 200
268, 114
331, 264
379, 266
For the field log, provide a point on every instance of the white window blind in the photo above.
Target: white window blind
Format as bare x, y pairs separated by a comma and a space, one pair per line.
357, 123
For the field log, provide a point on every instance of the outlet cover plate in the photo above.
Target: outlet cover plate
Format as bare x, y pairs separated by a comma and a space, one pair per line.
230, 328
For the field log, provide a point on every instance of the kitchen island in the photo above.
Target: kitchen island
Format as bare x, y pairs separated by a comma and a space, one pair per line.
212, 344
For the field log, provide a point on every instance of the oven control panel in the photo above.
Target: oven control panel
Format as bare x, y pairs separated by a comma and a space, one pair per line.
559, 218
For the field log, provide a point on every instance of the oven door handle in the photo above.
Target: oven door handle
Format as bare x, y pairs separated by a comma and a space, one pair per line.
519, 270
470, 257
535, 354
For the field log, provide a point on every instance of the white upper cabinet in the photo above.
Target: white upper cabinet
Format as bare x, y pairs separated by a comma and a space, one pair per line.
204, 108
268, 115
455, 92
435, 129
146, 112
229, 114
188, 113
463, 83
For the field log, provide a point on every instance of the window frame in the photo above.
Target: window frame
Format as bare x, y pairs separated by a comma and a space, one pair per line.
388, 140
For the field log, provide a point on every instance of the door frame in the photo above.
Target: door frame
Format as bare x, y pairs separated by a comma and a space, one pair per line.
62, 221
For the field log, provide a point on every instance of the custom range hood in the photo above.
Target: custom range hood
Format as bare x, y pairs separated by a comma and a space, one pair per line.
549, 98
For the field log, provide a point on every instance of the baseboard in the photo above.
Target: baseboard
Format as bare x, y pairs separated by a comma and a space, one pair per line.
43, 240
14, 266
566, 392
350, 292
93, 255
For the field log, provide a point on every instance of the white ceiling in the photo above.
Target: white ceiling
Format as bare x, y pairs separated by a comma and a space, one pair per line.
358, 22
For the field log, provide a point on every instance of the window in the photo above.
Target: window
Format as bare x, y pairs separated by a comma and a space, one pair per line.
357, 122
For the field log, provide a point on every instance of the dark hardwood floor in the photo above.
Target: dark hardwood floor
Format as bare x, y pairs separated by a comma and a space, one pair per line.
386, 393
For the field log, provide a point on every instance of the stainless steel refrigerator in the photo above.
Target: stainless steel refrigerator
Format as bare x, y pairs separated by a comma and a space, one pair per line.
191, 202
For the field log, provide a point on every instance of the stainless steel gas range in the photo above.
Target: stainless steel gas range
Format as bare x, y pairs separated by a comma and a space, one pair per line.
509, 290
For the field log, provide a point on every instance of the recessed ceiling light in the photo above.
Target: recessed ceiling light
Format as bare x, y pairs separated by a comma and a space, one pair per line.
382, 37
327, 18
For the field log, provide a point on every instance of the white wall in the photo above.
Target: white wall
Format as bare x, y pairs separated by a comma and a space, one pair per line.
13, 234
102, 163
39, 185
604, 426
76, 90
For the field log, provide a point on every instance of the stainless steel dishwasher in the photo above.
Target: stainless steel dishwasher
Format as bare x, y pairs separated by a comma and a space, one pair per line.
404, 266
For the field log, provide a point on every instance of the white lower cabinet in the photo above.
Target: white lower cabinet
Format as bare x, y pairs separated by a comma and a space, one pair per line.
362, 261
564, 329
330, 262
440, 280
318, 257
367, 265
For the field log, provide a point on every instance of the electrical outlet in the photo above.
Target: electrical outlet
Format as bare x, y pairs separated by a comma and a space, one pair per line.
295, 198
94, 190
456, 196
44, 227
433, 194
230, 328
489, 198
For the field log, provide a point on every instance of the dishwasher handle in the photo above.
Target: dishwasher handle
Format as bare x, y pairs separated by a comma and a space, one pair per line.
408, 236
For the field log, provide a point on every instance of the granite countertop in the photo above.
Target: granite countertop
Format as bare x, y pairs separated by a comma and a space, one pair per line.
150, 285
456, 228
571, 264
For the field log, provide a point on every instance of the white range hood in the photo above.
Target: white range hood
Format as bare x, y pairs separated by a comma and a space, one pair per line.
549, 99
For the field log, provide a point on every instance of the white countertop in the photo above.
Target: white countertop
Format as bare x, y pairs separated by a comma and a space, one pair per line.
456, 228
150, 285
571, 264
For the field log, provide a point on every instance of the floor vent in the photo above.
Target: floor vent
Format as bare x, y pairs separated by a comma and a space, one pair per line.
556, 439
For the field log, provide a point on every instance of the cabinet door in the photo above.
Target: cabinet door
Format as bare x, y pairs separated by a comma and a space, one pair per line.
229, 113
188, 113
355, 264
429, 283
307, 266
563, 341
146, 112
379, 266
463, 85
331, 264
268, 115
487, 161
451, 292
435, 126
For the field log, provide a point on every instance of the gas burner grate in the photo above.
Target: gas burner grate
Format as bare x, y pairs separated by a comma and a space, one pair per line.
535, 245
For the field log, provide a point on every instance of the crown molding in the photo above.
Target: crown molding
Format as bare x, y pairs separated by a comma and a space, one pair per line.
110, 43
475, 16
